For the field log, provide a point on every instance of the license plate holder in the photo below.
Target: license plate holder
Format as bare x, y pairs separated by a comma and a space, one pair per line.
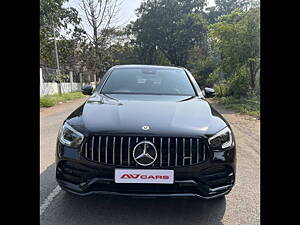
144, 176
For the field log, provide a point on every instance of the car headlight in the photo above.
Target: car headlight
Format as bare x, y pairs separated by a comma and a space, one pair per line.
69, 136
221, 140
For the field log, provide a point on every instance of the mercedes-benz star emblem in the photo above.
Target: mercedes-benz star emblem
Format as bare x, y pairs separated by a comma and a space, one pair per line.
145, 153
145, 127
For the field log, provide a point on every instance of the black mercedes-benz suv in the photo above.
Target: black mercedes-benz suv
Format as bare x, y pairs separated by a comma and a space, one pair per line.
146, 131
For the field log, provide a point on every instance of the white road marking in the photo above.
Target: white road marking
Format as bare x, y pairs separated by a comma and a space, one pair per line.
49, 199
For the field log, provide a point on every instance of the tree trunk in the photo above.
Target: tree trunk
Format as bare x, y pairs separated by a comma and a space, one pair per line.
59, 88
252, 75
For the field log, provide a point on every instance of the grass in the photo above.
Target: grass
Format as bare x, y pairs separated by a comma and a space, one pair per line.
51, 100
249, 106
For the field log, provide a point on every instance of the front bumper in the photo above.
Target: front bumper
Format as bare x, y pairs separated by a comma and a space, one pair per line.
210, 179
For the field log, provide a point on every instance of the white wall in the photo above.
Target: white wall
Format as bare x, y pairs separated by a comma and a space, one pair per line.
52, 88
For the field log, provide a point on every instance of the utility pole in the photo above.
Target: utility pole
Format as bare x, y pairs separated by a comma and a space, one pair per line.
56, 55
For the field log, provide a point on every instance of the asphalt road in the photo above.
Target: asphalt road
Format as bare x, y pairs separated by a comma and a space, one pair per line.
241, 205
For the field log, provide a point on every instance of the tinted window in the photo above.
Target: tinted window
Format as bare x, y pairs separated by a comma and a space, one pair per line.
148, 81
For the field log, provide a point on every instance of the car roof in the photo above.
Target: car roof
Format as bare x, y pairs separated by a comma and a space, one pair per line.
129, 66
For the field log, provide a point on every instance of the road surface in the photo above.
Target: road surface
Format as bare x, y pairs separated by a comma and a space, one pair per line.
241, 205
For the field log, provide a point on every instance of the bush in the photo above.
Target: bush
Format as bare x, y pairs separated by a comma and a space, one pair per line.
201, 69
212, 78
47, 102
221, 90
51, 100
250, 106
238, 84
72, 95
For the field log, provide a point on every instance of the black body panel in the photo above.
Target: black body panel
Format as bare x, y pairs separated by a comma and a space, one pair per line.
171, 119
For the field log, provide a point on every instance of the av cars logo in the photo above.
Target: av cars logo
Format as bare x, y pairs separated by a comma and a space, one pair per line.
142, 176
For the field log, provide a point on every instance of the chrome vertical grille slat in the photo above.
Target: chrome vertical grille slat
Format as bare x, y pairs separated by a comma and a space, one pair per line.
171, 151
168, 151
191, 151
99, 150
93, 139
153, 141
106, 144
128, 151
121, 149
176, 154
160, 151
198, 153
204, 149
86, 149
113, 158
183, 150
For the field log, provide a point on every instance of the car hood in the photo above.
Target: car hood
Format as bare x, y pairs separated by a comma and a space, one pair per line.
165, 115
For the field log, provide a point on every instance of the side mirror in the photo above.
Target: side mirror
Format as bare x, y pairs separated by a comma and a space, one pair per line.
87, 90
209, 93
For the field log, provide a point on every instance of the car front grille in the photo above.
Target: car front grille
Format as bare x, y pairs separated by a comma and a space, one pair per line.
171, 151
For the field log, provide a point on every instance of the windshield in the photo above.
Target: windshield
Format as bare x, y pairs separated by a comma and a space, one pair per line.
159, 81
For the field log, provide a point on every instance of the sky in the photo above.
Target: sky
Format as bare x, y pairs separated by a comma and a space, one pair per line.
127, 11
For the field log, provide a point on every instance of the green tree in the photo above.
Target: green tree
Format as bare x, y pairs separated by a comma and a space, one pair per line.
238, 84
225, 7
171, 27
101, 16
202, 68
236, 40
54, 16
